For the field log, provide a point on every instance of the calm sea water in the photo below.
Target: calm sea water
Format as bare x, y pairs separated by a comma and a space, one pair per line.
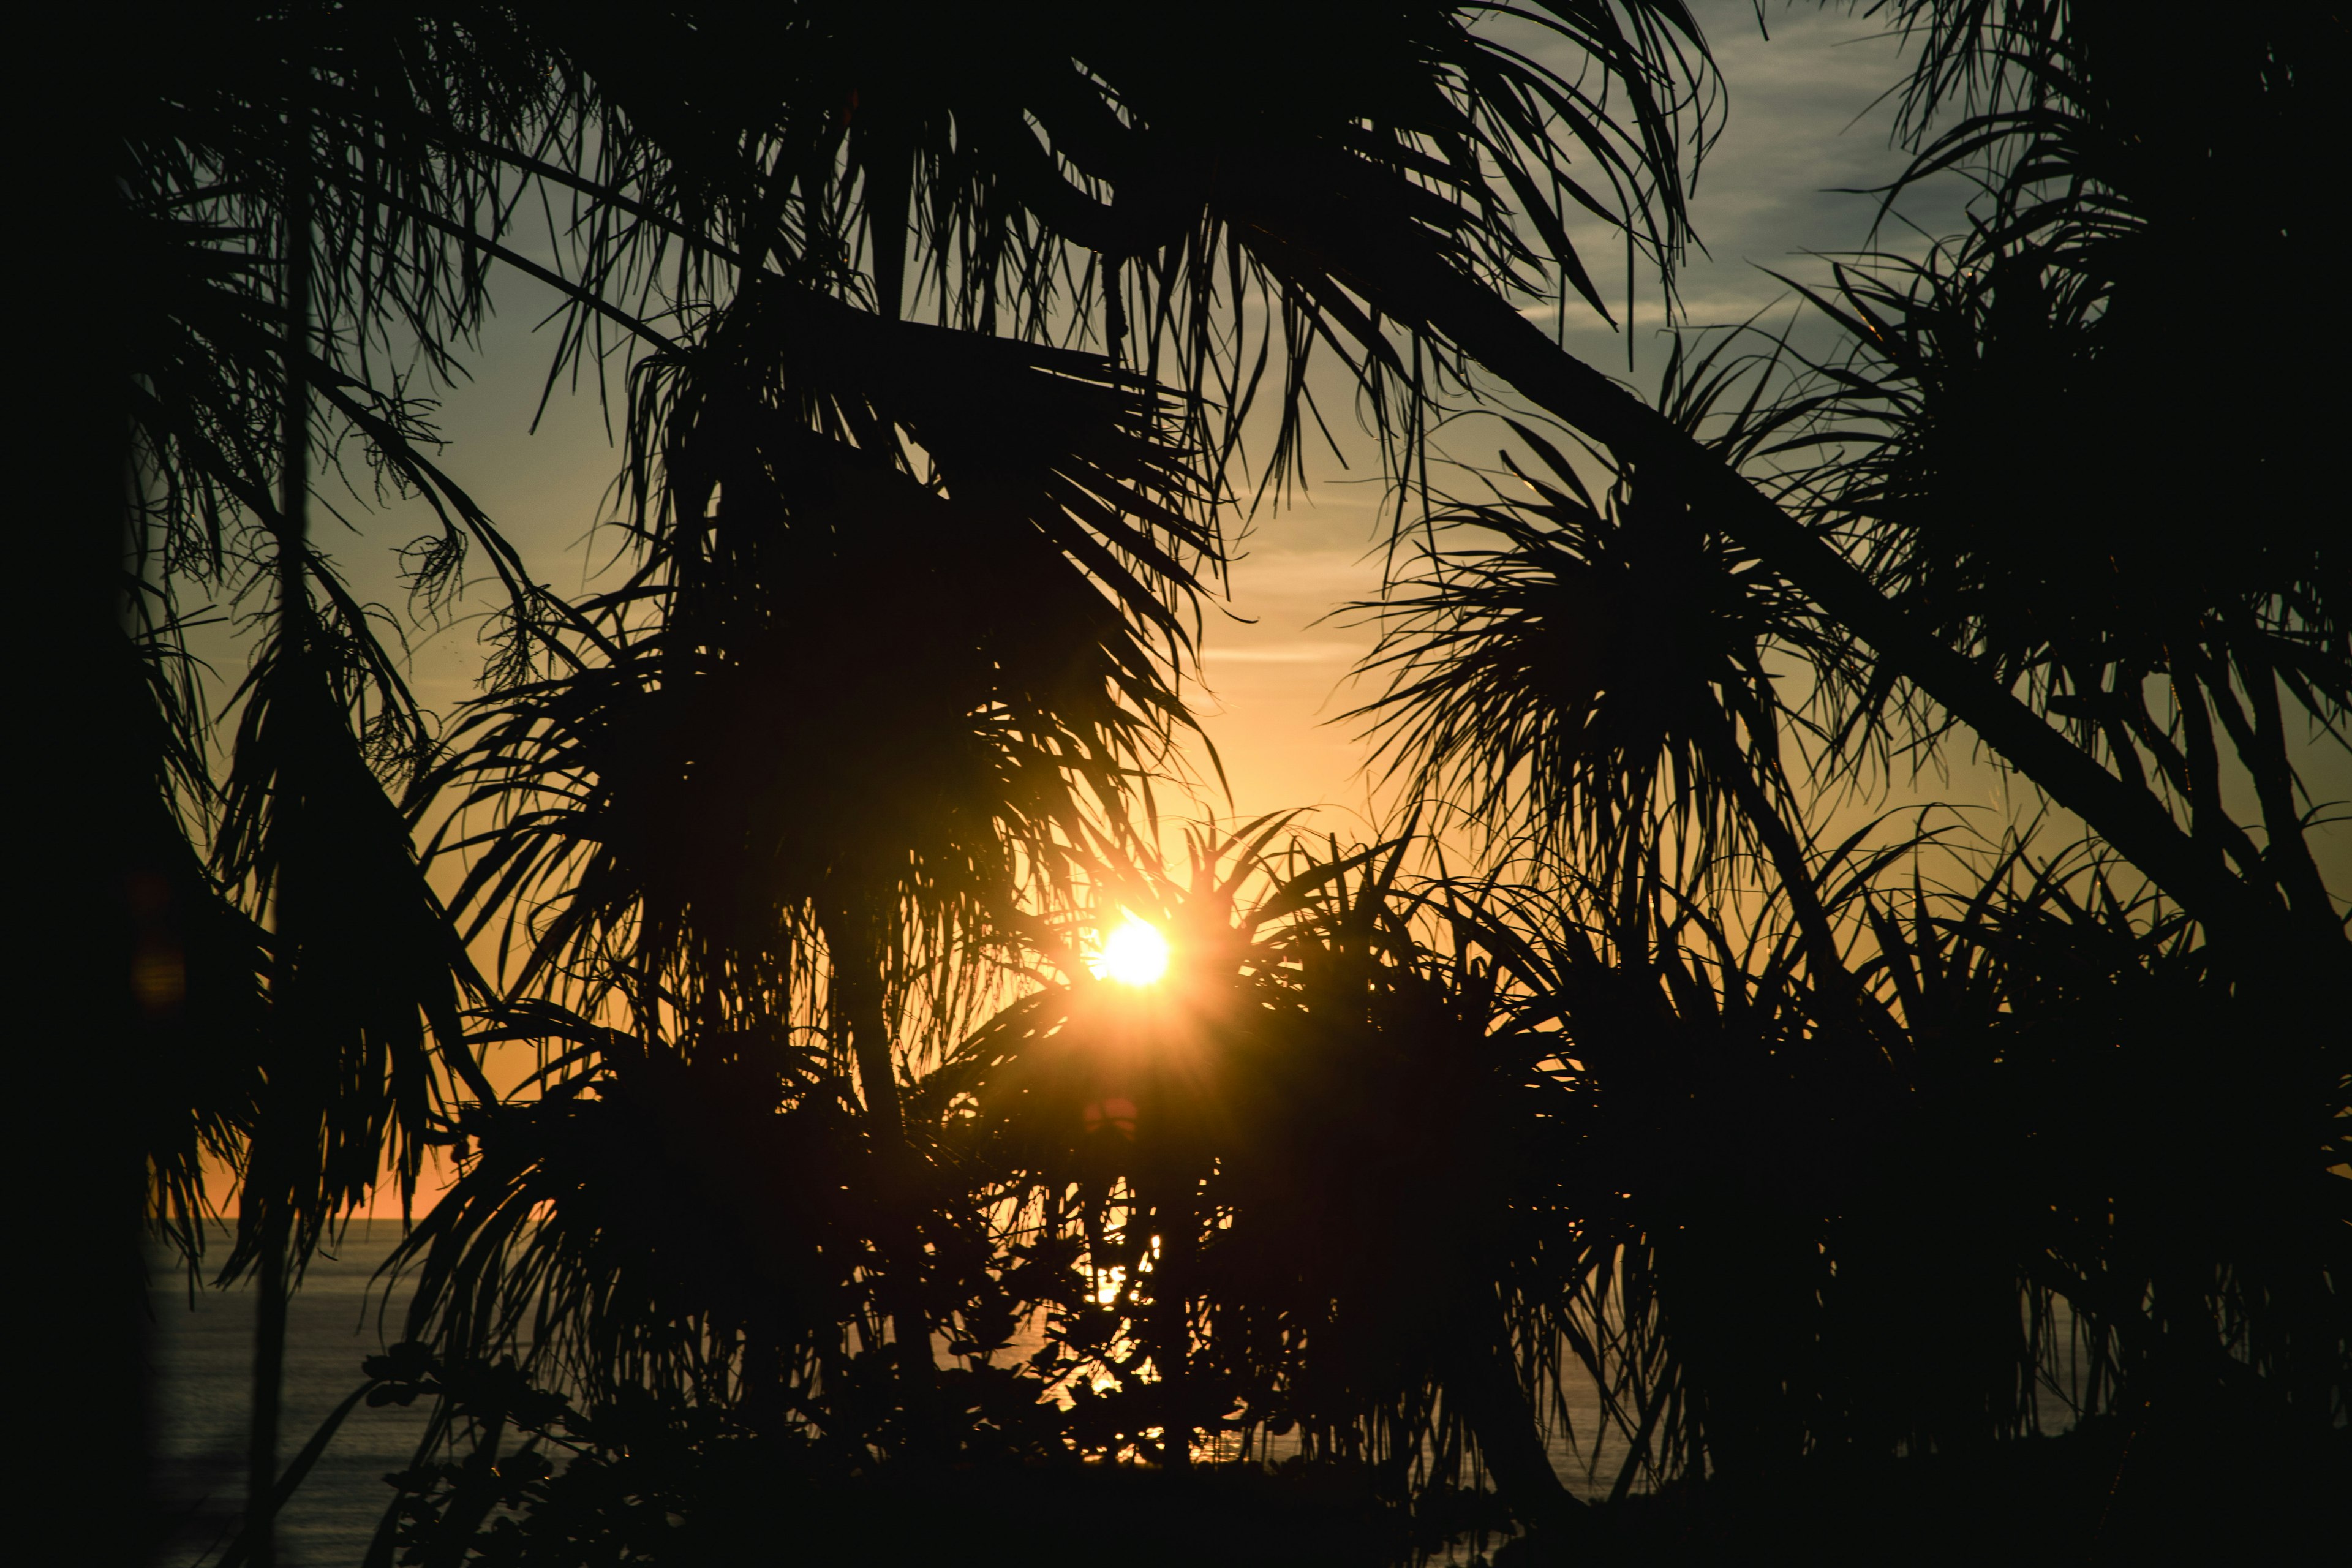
203, 1365
203, 1357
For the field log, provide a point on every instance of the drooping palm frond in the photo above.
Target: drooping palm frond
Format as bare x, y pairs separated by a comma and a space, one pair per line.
1125, 171
198, 969
381, 129
365, 974
903, 632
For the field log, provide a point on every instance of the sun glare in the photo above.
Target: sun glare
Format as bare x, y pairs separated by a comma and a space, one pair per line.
1134, 954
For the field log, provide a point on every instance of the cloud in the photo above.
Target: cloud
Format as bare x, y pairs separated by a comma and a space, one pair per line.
1322, 576
1807, 122
1288, 653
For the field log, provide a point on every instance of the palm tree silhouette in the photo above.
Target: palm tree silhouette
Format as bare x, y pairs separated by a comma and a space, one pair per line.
900, 655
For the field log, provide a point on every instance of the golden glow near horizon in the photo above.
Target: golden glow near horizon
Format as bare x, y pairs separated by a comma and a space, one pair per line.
1134, 954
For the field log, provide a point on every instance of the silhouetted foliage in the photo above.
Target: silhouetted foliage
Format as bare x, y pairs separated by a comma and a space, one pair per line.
848, 1211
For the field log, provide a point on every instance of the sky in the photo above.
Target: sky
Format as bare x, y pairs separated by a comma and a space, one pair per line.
1806, 133
1806, 129
1799, 127
1276, 657
1277, 653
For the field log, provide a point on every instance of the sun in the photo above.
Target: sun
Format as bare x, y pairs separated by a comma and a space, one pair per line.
1134, 954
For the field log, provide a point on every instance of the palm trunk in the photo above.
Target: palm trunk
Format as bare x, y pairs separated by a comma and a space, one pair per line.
1172, 1327
293, 507
294, 428
2261, 748
268, 1390
1780, 848
1788, 858
1354, 236
1478, 1379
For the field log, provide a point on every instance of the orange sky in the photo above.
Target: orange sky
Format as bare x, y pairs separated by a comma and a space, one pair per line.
1274, 665
1272, 670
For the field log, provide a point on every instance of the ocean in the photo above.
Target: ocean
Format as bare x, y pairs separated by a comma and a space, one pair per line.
204, 1359
204, 1367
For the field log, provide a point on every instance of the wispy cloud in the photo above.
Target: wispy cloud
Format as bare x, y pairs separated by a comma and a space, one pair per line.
1289, 653
1324, 576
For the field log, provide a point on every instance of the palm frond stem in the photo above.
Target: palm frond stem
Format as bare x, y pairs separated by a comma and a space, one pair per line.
1399, 275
